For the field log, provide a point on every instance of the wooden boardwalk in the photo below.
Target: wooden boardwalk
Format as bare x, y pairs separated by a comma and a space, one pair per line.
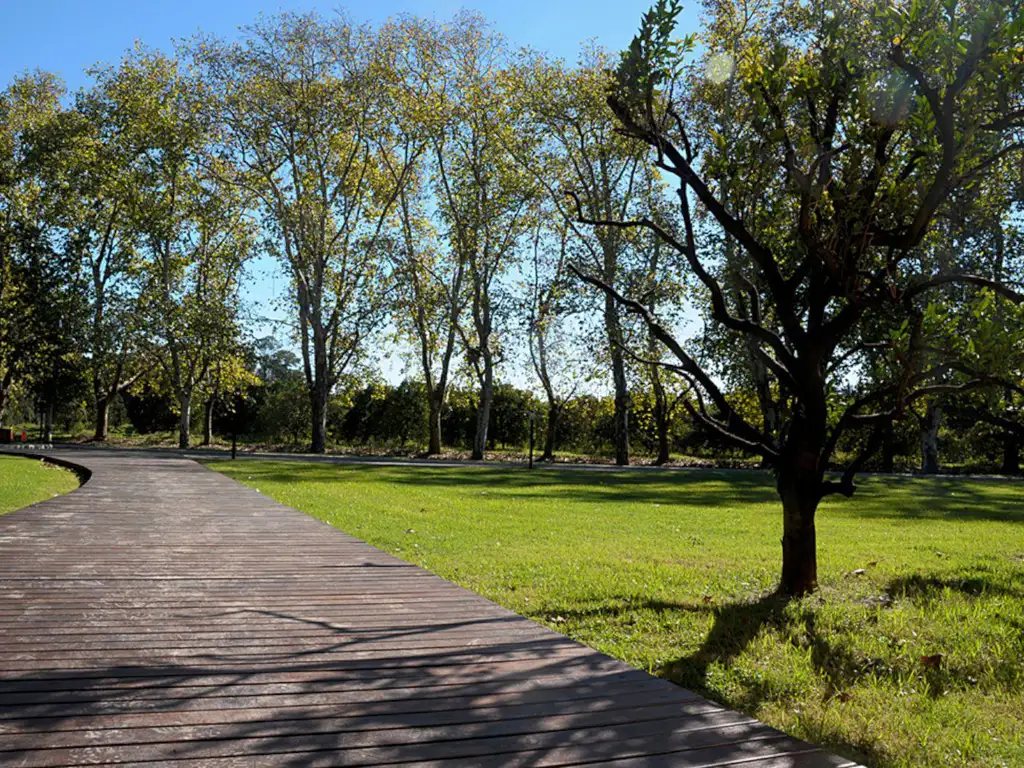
164, 614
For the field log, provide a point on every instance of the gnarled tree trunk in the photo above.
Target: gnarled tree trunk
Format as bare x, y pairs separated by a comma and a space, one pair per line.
800, 493
799, 479
102, 419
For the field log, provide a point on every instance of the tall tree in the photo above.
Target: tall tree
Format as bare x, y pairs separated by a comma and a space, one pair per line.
560, 358
193, 229
868, 117
661, 294
583, 153
485, 197
430, 295
95, 150
302, 123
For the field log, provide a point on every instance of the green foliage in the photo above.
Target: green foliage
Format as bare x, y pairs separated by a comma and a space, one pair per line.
383, 414
281, 412
510, 416
36, 281
654, 57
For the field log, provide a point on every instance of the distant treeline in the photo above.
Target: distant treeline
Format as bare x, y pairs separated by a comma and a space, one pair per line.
386, 418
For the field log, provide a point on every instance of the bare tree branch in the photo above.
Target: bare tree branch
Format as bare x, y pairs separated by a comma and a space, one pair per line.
926, 284
736, 428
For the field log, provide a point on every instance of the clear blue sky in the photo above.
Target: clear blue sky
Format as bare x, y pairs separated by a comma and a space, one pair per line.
67, 36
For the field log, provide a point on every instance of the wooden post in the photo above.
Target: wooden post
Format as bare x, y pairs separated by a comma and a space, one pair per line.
234, 428
533, 421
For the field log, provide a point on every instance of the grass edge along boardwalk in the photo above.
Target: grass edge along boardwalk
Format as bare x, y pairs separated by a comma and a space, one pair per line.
165, 614
25, 480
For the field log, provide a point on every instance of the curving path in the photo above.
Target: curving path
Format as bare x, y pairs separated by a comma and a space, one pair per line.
164, 614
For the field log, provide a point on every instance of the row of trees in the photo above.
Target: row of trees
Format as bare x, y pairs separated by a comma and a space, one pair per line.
409, 181
377, 417
832, 189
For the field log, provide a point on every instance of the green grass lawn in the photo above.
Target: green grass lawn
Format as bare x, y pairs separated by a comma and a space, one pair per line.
672, 571
25, 481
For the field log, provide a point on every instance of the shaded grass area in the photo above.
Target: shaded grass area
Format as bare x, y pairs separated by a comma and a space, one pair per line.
911, 654
26, 480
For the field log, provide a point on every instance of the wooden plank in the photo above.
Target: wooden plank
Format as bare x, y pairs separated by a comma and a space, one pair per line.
237, 707
427, 726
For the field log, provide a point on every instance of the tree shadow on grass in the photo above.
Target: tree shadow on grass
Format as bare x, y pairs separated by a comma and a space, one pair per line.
692, 487
974, 581
935, 498
735, 626
896, 498
837, 664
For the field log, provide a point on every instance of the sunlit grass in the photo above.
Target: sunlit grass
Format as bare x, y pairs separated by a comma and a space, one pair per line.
26, 480
672, 572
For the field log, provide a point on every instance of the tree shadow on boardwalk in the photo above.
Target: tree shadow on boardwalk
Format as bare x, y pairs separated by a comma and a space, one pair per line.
508, 704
